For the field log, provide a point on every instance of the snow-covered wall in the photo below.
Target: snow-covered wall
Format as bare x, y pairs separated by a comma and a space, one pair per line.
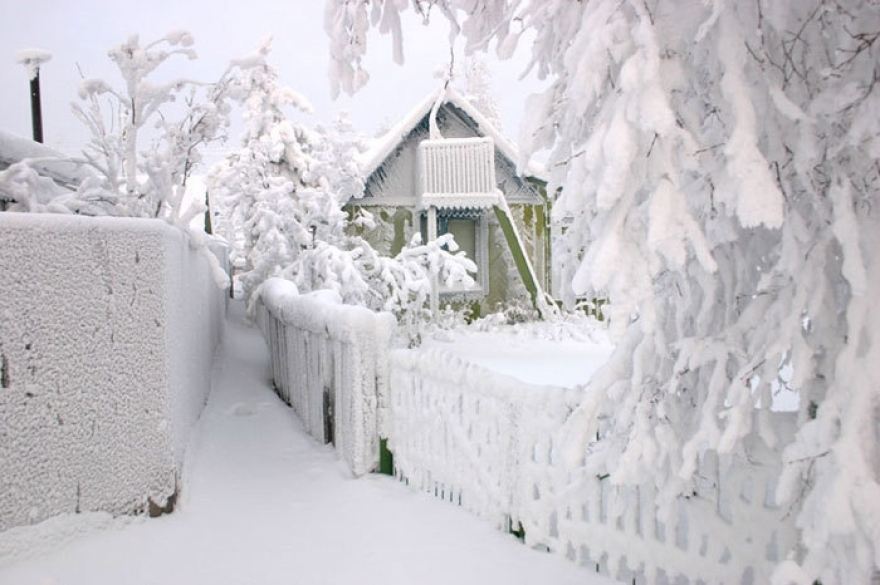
107, 329
494, 445
329, 362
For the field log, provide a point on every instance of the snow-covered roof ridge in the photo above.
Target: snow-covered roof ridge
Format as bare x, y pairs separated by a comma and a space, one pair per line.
385, 145
47, 161
382, 147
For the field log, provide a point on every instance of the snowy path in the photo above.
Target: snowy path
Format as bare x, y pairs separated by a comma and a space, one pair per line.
263, 503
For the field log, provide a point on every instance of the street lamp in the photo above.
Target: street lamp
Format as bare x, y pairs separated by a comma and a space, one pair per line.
32, 59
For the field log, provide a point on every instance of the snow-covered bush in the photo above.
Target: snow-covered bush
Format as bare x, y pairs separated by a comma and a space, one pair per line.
22, 188
719, 171
400, 285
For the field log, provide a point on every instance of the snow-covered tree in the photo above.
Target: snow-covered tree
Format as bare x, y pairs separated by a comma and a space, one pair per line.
477, 88
719, 171
145, 137
271, 210
335, 154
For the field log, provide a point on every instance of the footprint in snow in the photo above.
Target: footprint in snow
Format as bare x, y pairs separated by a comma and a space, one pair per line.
243, 409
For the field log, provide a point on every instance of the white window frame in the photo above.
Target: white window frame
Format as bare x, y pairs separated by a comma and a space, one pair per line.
481, 248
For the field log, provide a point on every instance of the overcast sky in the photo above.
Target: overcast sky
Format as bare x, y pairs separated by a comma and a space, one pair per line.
81, 32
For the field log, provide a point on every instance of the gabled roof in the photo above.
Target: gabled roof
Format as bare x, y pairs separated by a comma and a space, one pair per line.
384, 146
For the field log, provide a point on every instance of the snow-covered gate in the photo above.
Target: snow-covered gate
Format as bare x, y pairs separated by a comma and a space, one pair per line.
330, 363
493, 445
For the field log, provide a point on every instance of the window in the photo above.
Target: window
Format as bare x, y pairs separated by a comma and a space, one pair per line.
468, 228
465, 233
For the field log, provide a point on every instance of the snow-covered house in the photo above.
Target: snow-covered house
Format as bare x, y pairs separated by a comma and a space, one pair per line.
459, 176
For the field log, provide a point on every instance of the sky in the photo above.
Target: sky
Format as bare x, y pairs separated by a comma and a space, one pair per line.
79, 34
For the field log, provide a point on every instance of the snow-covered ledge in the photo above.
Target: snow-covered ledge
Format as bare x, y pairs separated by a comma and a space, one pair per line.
107, 330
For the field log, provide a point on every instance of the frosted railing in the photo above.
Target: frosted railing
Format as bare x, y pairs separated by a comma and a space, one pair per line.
329, 362
490, 444
457, 166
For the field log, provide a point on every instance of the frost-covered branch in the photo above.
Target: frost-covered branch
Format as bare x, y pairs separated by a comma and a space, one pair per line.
143, 142
142, 154
400, 285
719, 179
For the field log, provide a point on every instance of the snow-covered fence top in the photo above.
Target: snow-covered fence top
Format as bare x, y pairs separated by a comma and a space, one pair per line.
329, 362
492, 444
457, 172
458, 429
107, 330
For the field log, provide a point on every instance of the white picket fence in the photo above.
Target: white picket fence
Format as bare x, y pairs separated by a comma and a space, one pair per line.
329, 362
488, 443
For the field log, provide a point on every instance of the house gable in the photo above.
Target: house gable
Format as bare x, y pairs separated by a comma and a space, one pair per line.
392, 172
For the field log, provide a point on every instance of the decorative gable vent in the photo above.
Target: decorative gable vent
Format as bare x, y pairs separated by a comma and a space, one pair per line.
457, 173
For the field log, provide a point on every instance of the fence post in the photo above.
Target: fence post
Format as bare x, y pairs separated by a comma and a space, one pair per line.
386, 458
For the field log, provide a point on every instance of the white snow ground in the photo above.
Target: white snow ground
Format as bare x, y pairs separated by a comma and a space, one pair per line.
263, 503
566, 362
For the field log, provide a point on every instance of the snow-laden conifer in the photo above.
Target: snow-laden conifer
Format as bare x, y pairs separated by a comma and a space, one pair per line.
270, 210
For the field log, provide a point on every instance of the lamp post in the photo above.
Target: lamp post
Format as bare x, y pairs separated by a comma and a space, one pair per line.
32, 59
